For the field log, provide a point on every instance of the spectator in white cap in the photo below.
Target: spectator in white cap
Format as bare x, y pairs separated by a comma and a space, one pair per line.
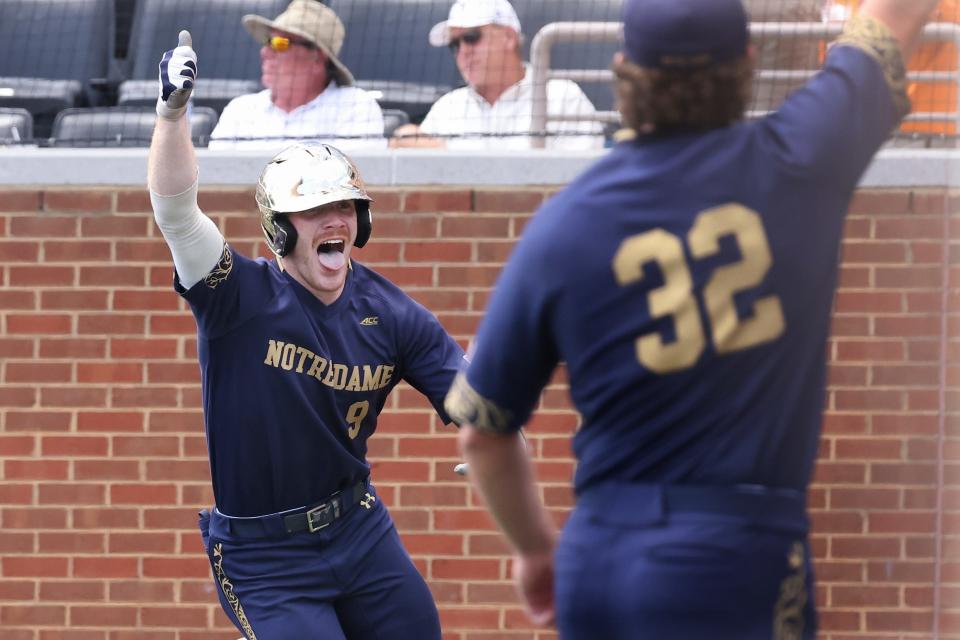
309, 92
495, 109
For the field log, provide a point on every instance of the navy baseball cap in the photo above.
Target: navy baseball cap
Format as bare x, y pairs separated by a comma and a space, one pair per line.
684, 34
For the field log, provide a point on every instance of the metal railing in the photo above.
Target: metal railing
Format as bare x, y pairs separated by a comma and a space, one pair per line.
566, 32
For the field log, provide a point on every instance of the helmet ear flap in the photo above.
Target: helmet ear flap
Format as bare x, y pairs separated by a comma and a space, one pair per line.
364, 222
285, 238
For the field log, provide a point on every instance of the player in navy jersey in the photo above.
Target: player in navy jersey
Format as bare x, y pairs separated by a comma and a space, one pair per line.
297, 356
686, 280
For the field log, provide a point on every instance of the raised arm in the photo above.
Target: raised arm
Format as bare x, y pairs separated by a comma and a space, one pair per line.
172, 167
904, 18
194, 240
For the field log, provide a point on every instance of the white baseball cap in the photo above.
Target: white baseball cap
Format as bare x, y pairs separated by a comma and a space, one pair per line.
474, 13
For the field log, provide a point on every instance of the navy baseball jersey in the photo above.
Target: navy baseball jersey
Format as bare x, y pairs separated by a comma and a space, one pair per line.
292, 388
687, 280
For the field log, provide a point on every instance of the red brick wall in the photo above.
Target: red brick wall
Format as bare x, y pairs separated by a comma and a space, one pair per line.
104, 463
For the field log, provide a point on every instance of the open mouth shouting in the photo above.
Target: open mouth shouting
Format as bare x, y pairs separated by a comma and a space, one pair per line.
330, 253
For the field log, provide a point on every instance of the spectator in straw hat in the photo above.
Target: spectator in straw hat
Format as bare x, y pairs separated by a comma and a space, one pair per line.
309, 92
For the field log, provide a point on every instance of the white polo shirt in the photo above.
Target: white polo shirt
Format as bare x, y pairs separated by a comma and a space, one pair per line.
474, 123
346, 117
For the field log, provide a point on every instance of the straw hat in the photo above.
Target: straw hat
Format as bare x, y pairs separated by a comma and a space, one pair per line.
312, 21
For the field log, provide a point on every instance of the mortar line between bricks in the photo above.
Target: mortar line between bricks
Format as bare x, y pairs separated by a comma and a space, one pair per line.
942, 420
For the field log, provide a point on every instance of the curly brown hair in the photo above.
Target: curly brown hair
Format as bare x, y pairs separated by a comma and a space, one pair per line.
656, 99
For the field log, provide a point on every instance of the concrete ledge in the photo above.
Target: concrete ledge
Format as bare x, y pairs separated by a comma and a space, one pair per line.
23, 167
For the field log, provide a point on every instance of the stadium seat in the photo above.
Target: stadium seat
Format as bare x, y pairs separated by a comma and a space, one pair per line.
229, 59
122, 126
124, 10
387, 50
535, 14
16, 126
392, 118
52, 53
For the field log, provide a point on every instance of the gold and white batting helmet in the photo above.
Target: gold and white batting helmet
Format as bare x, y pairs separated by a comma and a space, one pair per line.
302, 177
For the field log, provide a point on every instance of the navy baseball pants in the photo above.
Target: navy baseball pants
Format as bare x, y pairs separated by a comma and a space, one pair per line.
641, 561
351, 580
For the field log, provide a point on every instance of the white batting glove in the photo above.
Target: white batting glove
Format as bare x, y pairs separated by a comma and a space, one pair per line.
178, 72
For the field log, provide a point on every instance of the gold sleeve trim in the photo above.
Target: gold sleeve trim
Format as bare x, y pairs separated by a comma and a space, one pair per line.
465, 406
222, 271
875, 39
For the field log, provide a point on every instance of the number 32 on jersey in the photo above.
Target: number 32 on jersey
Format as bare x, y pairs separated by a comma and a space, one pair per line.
676, 298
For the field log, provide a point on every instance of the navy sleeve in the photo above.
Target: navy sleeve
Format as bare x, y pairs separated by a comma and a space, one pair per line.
431, 358
233, 292
831, 127
515, 349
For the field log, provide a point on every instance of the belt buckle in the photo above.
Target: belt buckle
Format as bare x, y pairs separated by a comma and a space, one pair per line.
321, 509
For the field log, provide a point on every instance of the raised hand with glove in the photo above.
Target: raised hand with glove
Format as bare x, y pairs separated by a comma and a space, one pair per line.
178, 73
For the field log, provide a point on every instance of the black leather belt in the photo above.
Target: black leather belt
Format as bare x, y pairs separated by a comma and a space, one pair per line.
314, 518
325, 513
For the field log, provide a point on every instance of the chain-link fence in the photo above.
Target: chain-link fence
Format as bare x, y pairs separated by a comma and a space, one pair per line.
473, 74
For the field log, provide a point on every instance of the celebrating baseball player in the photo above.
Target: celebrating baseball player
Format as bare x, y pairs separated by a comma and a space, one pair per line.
686, 279
297, 356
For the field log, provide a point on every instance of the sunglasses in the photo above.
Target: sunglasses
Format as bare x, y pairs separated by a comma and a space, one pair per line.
471, 38
282, 43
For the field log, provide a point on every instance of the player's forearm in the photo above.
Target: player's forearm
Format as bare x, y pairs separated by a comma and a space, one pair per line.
501, 471
904, 18
172, 166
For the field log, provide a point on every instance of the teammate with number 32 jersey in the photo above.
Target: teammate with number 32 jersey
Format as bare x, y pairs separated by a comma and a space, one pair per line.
687, 253
686, 279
